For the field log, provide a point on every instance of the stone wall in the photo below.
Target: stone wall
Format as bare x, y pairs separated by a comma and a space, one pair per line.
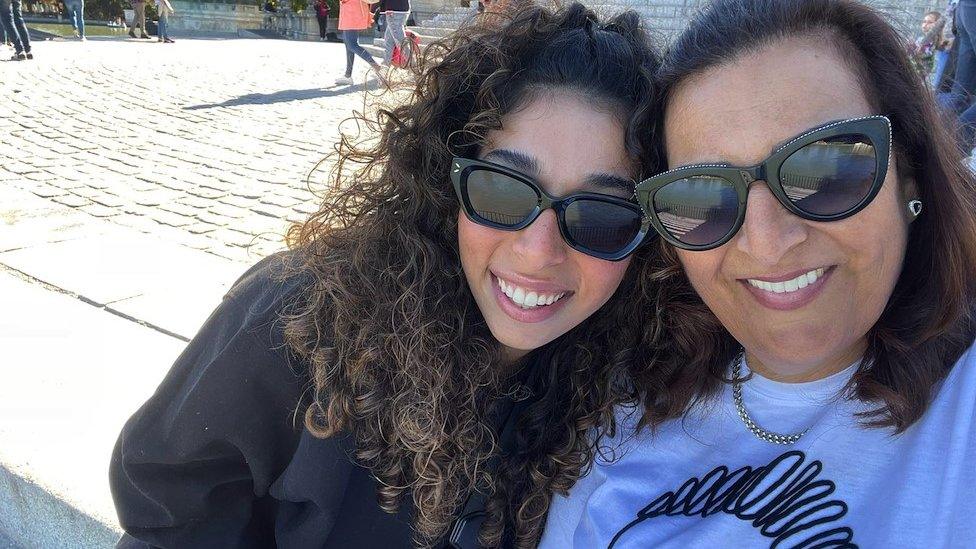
670, 16
665, 16
213, 18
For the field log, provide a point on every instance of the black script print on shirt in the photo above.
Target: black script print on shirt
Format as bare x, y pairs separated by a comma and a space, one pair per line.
784, 499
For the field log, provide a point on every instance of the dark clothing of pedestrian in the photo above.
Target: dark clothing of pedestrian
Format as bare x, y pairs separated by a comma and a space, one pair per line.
220, 457
322, 15
13, 23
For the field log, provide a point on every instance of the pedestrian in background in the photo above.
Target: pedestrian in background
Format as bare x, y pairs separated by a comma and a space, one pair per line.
354, 16
3, 34
923, 50
139, 19
76, 14
322, 15
164, 9
397, 12
943, 52
13, 23
964, 85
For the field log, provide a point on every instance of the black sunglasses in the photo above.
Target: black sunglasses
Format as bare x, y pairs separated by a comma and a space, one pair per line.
600, 225
825, 174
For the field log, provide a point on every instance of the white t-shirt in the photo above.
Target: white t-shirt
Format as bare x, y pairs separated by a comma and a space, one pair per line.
706, 481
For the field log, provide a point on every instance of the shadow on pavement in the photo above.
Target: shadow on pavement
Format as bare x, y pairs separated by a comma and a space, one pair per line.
284, 96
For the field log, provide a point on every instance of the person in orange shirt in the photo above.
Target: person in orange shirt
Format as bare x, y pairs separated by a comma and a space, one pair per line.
354, 16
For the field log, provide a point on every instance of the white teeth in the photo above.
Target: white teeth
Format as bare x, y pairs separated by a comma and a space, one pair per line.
527, 299
788, 286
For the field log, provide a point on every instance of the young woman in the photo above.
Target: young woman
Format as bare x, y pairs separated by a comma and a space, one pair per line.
814, 384
357, 391
354, 17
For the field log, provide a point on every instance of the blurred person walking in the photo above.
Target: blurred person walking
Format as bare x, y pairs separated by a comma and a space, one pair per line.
164, 9
354, 16
923, 50
75, 10
322, 15
960, 99
13, 22
397, 12
139, 19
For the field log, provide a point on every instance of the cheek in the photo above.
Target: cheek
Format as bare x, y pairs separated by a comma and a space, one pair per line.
703, 270
601, 277
475, 244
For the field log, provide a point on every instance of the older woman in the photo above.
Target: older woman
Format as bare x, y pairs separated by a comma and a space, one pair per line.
815, 384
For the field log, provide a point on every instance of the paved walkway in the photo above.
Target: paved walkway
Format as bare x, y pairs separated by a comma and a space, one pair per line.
204, 142
137, 181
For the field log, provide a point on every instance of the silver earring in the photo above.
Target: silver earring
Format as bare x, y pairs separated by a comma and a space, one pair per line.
915, 207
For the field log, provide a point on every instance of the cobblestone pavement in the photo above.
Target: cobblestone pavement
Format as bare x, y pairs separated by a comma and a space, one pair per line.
205, 142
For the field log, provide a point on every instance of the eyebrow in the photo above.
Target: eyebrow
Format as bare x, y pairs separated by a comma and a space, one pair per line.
610, 182
517, 160
528, 165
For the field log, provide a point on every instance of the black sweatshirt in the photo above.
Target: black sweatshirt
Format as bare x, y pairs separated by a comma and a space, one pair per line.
217, 457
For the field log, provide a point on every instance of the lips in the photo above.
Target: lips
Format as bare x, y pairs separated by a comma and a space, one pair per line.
789, 291
526, 300
790, 285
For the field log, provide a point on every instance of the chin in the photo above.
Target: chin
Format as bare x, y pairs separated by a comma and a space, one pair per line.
514, 338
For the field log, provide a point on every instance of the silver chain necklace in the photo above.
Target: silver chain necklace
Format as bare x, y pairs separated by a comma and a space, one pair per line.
760, 433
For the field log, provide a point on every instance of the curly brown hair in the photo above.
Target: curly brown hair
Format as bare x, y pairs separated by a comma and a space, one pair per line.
928, 320
399, 352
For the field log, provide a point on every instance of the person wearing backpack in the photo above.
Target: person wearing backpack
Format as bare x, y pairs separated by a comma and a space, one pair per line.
397, 12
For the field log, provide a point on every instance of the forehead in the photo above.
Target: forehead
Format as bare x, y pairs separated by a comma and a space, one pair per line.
739, 111
566, 136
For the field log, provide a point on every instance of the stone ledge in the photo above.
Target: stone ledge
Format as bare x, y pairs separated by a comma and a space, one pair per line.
31, 516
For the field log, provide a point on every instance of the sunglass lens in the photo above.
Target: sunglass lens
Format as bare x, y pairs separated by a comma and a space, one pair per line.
832, 176
698, 210
600, 226
500, 198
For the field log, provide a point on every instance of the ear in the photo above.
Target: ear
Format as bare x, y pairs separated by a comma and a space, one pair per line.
909, 193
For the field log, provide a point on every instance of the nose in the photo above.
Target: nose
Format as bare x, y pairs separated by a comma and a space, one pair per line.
769, 231
540, 245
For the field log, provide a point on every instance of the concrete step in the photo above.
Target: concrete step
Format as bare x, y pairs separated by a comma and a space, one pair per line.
430, 32
90, 320
425, 39
376, 51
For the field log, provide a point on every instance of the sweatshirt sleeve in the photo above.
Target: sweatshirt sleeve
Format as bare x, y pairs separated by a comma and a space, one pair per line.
193, 466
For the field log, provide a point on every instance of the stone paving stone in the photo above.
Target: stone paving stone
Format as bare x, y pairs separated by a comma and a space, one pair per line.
202, 228
270, 210
214, 218
170, 219
47, 191
236, 201
99, 210
72, 200
228, 211
107, 200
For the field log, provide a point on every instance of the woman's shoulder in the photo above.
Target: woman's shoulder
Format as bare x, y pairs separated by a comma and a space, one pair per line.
275, 279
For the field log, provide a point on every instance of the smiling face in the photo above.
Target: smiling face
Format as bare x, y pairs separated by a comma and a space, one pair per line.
566, 145
738, 113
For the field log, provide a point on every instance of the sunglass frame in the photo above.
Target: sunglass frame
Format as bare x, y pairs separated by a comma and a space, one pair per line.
876, 128
461, 168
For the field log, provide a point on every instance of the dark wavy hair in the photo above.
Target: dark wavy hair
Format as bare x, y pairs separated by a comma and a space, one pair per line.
399, 352
927, 322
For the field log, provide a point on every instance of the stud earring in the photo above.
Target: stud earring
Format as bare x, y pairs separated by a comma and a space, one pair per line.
915, 207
